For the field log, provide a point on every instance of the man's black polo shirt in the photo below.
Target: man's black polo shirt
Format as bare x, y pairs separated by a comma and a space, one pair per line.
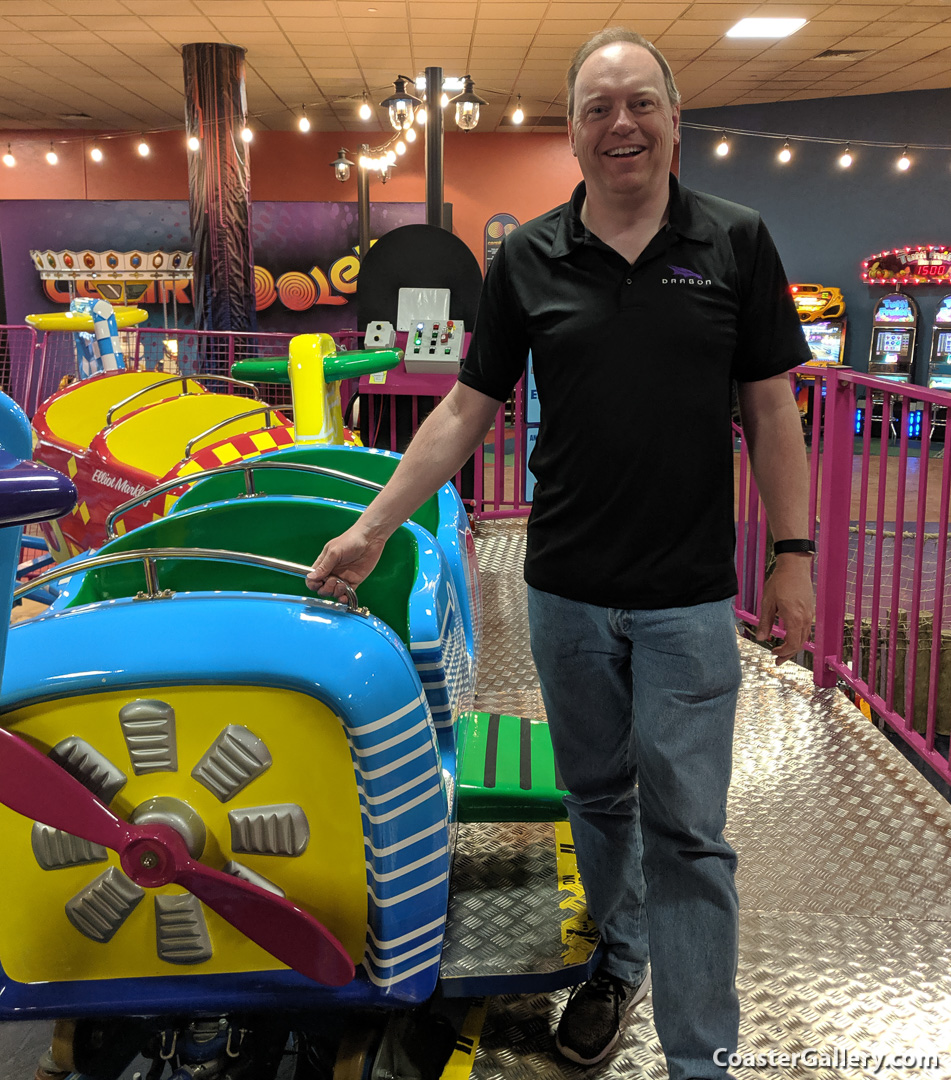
633, 505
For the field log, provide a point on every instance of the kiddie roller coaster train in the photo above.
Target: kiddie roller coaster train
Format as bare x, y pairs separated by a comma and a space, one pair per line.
234, 813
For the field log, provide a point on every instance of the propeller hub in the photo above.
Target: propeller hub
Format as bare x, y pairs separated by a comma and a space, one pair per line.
151, 859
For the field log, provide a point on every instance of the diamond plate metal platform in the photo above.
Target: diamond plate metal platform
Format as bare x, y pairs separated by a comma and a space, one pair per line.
844, 878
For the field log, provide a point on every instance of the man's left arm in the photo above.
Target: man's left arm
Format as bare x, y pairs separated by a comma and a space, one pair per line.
773, 432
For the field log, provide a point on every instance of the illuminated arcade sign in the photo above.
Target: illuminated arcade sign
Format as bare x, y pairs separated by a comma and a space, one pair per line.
911, 265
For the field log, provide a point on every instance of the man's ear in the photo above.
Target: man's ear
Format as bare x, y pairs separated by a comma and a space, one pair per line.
676, 117
571, 137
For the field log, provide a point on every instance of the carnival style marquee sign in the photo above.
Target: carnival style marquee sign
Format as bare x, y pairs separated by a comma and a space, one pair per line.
918, 265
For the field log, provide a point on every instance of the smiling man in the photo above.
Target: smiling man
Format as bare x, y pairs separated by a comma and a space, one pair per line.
642, 303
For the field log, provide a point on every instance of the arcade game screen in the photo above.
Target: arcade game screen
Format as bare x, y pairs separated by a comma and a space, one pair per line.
826, 341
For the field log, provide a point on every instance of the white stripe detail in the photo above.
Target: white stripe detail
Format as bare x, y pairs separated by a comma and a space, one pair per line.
403, 870
365, 729
394, 943
409, 894
377, 799
374, 959
378, 820
419, 646
375, 774
383, 852
435, 684
378, 748
392, 980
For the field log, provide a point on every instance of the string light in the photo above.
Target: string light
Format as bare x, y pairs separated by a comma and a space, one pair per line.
51, 156
785, 155
518, 116
410, 135
365, 112
193, 143
723, 146
904, 161
247, 134
303, 124
143, 147
444, 100
96, 153
401, 148
846, 160
421, 115
8, 159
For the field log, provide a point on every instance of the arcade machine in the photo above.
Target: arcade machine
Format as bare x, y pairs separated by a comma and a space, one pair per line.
821, 310
939, 360
892, 352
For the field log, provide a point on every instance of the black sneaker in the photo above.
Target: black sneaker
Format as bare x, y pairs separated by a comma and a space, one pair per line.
590, 1026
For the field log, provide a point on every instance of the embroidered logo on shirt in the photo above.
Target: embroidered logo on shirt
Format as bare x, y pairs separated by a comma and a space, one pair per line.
685, 277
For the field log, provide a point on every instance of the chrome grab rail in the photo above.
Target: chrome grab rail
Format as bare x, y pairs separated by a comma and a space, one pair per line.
267, 410
184, 380
151, 556
248, 470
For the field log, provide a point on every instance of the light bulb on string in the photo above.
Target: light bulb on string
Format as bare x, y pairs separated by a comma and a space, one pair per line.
365, 112
518, 116
96, 152
51, 155
304, 123
846, 159
247, 134
193, 142
410, 135
401, 148
904, 162
8, 159
444, 100
143, 147
785, 155
723, 146
421, 115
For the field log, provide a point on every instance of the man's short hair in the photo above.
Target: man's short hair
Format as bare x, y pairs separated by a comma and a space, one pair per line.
611, 36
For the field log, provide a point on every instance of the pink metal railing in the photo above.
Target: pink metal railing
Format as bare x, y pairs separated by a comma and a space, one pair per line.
493, 486
17, 364
881, 574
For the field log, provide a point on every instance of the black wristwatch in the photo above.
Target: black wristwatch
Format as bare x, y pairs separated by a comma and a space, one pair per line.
784, 547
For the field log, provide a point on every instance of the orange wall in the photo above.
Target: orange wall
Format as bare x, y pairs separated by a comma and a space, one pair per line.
519, 173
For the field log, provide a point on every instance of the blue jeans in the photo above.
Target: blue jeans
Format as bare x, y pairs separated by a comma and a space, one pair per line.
641, 708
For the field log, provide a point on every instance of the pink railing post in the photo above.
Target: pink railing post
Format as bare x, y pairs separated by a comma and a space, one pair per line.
834, 509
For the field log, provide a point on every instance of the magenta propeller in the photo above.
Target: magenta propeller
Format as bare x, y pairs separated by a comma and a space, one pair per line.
153, 855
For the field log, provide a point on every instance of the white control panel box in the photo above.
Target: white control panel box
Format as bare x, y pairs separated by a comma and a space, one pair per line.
380, 335
435, 347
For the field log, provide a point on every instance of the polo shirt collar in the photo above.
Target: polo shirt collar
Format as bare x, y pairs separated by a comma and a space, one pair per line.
685, 218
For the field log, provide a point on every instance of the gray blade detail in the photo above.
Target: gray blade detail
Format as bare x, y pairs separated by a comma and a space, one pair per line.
239, 870
232, 761
149, 730
92, 769
55, 849
181, 934
270, 830
104, 905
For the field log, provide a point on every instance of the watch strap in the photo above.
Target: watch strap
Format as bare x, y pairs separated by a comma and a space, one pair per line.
784, 547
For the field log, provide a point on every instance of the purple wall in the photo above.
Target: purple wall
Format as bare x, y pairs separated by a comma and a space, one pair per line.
290, 240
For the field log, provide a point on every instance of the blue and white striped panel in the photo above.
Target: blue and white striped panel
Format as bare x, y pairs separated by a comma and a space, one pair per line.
107, 336
405, 823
